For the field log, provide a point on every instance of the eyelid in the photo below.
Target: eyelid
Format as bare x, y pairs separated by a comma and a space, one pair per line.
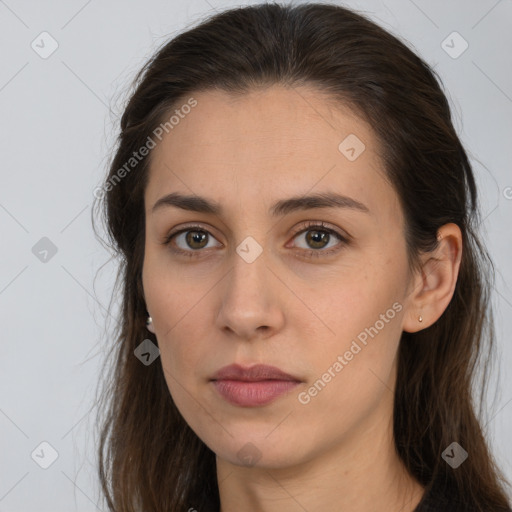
322, 226
187, 227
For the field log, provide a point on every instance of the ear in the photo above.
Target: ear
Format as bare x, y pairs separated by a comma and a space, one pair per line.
434, 285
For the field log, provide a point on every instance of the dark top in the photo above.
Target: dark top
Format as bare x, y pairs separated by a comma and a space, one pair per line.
438, 497
441, 497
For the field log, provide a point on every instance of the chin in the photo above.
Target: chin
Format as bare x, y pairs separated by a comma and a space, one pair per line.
260, 451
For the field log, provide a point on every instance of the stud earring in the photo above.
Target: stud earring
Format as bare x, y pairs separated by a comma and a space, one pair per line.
149, 325
420, 319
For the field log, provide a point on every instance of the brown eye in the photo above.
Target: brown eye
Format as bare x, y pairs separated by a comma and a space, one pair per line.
320, 240
317, 239
196, 239
193, 239
190, 241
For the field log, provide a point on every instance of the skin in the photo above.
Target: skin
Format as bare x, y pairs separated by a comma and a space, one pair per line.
336, 452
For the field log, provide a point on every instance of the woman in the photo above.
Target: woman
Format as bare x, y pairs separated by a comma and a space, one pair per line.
296, 218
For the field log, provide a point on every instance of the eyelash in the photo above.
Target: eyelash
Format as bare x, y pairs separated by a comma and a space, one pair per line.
309, 226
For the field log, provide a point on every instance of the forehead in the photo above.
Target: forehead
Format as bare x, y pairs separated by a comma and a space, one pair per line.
275, 121
268, 143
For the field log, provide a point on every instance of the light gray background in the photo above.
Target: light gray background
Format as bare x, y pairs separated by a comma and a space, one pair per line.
59, 119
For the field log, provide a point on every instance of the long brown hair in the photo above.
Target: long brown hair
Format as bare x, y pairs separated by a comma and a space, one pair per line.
149, 458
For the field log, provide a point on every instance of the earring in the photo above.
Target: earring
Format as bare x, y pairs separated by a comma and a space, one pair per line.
149, 325
420, 319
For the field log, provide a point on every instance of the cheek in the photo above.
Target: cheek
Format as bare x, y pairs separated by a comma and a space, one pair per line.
183, 351
170, 294
172, 304
182, 337
355, 371
363, 310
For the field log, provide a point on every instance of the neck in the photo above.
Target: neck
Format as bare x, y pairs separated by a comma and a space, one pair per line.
362, 473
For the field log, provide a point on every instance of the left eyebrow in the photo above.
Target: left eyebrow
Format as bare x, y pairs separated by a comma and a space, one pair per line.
321, 200
280, 208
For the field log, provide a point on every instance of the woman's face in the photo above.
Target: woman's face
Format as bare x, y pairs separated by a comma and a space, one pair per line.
260, 284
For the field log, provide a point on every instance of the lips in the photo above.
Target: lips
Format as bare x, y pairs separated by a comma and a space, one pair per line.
252, 387
254, 373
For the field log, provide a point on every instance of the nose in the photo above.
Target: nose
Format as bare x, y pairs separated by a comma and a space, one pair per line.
251, 304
